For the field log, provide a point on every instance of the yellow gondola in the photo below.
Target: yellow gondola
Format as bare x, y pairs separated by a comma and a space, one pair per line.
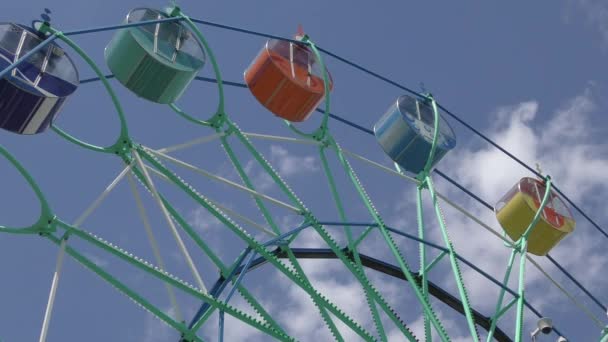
517, 208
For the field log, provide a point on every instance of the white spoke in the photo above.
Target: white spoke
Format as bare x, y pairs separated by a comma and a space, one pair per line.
243, 218
225, 181
222, 208
101, 197
174, 231
51, 302
60, 255
154, 245
191, 143
281, 139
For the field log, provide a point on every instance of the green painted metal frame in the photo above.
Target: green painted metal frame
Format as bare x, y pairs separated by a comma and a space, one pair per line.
519, 247
48, 224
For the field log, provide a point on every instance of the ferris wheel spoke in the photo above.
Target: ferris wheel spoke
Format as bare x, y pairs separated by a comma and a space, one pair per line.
191, 143
225, 209
281, 139
53, 291
60, 255
133, 295
327, 238
161, 275
322, 310
214, 258
101, 197
245, 178
340, 207
154, 245
422, 256
223, 180
257, 247
224, 270
453, 260
424, 300
268, 217
174, 231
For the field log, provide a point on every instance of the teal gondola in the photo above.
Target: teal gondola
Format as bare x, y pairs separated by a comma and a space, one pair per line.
405, 133
156, 61
33, 93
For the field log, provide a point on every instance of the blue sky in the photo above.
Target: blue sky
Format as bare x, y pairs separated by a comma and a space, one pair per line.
529, 75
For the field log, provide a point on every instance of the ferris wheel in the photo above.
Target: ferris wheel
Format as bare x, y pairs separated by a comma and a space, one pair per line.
158, 55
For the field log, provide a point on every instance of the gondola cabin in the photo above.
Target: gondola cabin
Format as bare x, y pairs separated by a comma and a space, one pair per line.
405, 133
287, 79
32, 94
516, 210
155, 61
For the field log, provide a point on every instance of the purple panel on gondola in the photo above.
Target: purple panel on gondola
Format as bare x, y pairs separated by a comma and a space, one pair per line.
32, 94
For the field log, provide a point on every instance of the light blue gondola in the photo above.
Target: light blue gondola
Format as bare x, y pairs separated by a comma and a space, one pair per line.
405, 133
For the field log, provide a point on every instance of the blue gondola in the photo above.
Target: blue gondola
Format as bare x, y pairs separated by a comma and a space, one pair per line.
405, 133
32, 94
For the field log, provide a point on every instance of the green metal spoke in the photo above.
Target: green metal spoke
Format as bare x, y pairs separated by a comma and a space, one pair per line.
46, 218
166, 277
201, 200
338, 202
209, 252
320, 230
424, 300
422, 255
133, 295
464, 297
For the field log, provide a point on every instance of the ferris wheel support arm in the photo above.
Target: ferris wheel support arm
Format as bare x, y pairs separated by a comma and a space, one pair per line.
320, 230
173, 230
249, 186
60, 255
154, 245
191, 143
440, 173
422, 268
224, 180
352, 248
453, 257
237, 164
123, 288
160, 274
257, 247
424, 301
123, 140
46, 219
207, 250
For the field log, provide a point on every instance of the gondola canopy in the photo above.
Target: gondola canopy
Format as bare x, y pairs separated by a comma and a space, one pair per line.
32, 94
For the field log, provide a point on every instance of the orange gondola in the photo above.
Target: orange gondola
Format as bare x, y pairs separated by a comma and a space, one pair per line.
287, 79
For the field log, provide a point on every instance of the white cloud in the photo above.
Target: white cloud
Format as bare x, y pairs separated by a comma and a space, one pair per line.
289, 165
569, 147
285, 163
